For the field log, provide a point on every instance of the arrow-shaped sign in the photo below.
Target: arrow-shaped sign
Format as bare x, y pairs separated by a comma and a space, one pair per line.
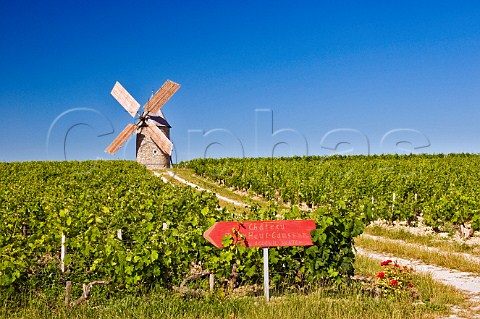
263, 233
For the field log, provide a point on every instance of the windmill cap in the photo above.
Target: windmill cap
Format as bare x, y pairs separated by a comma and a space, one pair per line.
159, 119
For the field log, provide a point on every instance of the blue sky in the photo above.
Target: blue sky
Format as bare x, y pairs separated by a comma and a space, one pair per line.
324, 76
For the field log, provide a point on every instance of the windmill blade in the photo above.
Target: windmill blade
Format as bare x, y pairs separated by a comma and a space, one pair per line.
161, 96
159, 138
120, 139
125, 99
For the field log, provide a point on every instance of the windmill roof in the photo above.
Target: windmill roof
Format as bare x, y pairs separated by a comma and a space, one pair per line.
159, 119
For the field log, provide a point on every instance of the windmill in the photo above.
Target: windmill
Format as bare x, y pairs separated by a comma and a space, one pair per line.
153, 145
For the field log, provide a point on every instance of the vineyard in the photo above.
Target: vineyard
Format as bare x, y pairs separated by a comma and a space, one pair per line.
114, 221
440, 189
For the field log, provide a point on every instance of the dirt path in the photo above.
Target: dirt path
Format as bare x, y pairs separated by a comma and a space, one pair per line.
184, 181
426, 248
467, 282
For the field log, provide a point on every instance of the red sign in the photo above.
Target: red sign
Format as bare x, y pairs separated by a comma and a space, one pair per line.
263, 233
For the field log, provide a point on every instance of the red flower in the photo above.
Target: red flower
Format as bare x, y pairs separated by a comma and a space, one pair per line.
394, 282
385, 263
410, 285
381, 275
396, 265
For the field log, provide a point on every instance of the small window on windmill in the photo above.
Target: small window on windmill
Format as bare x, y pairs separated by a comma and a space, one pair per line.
155, 152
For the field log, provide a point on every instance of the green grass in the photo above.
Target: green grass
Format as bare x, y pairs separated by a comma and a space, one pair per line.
319, 304
323, 302
425, 240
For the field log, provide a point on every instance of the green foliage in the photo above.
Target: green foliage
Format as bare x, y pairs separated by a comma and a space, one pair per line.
89, 202
162, 224
330, 258
161, 231
441, 188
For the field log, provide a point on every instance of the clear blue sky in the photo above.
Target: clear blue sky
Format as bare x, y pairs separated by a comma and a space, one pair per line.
330, 72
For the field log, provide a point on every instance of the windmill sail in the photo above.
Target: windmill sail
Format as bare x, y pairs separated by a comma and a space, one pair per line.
120, 139
125, 99
159, 138
161, 96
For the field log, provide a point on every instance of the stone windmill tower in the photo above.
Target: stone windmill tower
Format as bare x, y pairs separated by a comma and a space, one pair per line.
154, 147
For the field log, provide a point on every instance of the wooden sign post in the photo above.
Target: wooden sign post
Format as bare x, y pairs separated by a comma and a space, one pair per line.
265, 234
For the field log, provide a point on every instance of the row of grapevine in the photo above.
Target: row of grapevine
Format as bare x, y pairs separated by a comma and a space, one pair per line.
161, 225
441, 188
88, 202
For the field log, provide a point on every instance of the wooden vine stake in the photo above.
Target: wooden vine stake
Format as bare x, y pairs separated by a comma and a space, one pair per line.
63, 252
68, 289
211, 281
